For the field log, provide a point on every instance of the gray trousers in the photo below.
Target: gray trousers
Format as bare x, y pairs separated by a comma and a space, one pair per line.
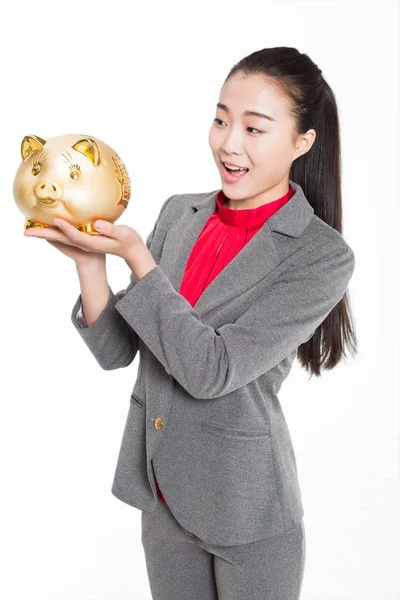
181, 566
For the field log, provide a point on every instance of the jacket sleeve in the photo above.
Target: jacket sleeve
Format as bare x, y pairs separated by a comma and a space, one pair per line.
80, 317
210, 362
110, 338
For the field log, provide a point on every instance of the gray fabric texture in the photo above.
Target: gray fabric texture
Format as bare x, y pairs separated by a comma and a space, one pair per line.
180, 566
204, 407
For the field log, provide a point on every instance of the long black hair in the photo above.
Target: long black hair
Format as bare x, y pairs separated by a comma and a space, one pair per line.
318, 172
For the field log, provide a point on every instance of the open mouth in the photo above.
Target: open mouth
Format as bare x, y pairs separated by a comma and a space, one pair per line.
232, 175
234, 171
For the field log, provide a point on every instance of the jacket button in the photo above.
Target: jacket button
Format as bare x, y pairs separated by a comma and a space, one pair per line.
159, 423
167, 372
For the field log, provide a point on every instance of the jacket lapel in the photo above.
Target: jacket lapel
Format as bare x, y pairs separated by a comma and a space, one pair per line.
254, 261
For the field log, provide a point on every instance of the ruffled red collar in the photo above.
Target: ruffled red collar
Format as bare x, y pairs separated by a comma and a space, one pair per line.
249, 217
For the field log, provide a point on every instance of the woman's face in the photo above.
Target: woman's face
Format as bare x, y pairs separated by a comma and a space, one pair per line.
266, 146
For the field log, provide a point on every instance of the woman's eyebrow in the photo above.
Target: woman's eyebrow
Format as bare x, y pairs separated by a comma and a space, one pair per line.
246, 113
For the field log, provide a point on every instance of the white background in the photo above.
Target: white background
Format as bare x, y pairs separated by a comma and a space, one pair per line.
145, 78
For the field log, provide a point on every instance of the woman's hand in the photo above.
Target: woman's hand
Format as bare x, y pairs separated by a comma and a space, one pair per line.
81, 247
81, 257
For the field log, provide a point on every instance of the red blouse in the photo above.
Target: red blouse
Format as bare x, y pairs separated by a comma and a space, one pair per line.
223, 236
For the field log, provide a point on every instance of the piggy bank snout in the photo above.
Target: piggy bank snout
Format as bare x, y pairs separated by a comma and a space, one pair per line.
47, 191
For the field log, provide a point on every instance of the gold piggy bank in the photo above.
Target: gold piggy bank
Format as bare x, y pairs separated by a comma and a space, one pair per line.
75, 177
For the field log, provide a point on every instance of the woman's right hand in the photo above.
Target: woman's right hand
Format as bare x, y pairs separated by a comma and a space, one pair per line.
80, 257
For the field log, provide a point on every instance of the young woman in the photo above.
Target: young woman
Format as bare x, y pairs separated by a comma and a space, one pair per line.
238, 283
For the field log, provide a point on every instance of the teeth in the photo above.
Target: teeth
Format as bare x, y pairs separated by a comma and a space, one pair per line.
235, 168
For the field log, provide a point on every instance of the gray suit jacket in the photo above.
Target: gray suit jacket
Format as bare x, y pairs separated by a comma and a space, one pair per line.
204, 407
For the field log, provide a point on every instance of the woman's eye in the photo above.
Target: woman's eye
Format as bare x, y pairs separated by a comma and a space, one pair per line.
253, 128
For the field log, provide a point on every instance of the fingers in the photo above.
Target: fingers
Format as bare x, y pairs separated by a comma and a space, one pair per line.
104, 226
48, 233
57, 237
80, 238
58, 234
102, 244
68, 234
70, 230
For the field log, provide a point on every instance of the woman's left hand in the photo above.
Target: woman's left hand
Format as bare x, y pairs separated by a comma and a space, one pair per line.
114, 239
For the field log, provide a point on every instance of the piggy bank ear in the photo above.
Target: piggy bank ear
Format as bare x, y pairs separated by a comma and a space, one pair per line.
30, 144
89, 147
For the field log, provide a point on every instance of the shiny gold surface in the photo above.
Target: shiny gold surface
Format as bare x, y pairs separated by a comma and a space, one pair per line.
75, 177
159, 423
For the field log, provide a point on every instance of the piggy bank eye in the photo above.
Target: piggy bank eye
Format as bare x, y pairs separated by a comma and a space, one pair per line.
35, 169
75, 171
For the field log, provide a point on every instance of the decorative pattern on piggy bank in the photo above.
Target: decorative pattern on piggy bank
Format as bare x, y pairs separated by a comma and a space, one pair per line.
75, 177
